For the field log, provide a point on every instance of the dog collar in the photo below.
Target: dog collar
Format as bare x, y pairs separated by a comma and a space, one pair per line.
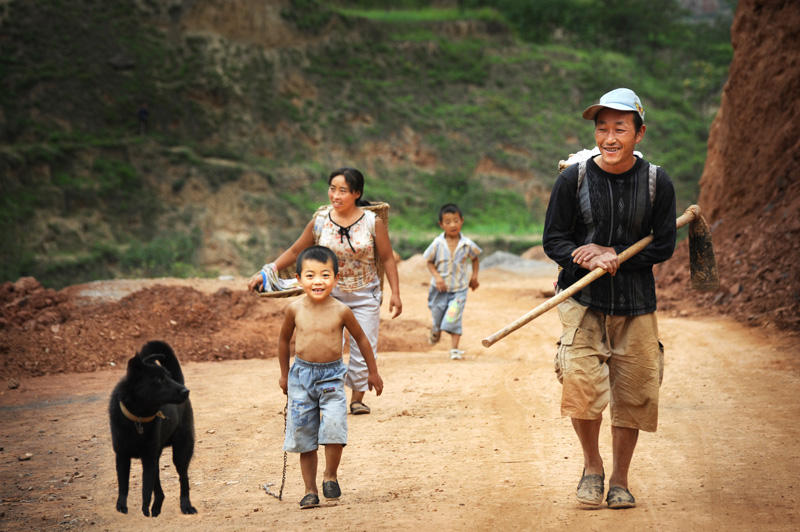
139, 420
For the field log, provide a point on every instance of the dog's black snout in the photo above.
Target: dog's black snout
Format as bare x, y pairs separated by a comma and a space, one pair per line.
185, 393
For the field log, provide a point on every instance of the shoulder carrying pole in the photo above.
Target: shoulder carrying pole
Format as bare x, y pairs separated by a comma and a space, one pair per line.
709, 272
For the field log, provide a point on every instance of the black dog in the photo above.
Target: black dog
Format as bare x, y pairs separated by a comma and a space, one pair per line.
150, 410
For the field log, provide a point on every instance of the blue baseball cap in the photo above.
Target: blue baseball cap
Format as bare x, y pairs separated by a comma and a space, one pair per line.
619, 99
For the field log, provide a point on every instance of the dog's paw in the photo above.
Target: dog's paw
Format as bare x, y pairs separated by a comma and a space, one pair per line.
122, 508
146, 511
188, 509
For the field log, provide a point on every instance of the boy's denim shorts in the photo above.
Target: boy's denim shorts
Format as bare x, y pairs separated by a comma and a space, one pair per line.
317, 413
447, 309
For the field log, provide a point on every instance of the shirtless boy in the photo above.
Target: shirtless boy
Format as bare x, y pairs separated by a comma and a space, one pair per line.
317, 413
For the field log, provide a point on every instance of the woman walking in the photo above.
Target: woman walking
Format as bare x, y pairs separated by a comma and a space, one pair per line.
355, 235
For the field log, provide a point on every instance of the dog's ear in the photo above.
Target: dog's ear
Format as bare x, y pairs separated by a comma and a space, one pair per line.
134, 362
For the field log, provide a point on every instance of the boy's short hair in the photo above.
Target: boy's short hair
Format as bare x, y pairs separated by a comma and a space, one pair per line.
449, 208
320, 254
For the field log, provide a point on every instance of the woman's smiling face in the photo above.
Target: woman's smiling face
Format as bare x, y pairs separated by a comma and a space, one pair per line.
340, 194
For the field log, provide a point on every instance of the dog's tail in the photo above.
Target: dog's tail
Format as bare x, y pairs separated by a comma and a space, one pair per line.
167, 358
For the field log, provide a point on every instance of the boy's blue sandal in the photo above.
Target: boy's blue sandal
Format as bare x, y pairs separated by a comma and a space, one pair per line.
311, 500
590, 489
357, 408
331, 490
619, 497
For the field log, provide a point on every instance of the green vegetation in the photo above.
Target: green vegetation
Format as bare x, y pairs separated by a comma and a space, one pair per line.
170, 254
423, 14
307, 15
473, 104
166, 255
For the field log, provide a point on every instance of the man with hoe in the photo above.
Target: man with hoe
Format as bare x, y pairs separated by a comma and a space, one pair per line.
609, 351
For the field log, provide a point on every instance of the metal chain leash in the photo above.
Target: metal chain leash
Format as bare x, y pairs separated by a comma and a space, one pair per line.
279, 495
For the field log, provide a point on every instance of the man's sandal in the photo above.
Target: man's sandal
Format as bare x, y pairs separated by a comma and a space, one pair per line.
590, 489
619, 497
357, 408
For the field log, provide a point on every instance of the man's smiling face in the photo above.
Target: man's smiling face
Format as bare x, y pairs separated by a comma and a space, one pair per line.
616, 136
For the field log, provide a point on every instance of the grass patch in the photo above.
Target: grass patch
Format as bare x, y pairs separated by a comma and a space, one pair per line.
166, 255
422, 15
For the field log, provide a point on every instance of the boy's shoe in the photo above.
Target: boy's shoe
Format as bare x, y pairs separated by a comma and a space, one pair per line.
433, 337
456, 354
331, 490
311, 500
358, 408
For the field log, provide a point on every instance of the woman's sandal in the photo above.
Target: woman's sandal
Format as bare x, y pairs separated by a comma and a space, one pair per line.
358, 408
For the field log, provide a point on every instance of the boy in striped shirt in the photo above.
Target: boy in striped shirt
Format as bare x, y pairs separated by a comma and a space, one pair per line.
453, 263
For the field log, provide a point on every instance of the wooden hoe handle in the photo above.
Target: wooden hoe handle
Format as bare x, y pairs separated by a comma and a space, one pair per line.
689, 215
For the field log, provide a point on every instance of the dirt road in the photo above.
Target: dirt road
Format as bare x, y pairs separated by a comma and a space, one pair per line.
476, 444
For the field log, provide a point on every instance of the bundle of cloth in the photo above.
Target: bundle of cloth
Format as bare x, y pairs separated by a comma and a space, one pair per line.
271, 282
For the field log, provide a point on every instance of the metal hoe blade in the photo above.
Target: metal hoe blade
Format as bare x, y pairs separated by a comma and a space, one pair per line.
702, 261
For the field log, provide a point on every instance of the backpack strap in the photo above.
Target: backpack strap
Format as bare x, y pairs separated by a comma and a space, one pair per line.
369, 219
584, 209
581, 177
319, 219
651, 182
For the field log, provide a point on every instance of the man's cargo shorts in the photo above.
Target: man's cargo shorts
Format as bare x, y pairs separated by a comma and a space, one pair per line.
605, 359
